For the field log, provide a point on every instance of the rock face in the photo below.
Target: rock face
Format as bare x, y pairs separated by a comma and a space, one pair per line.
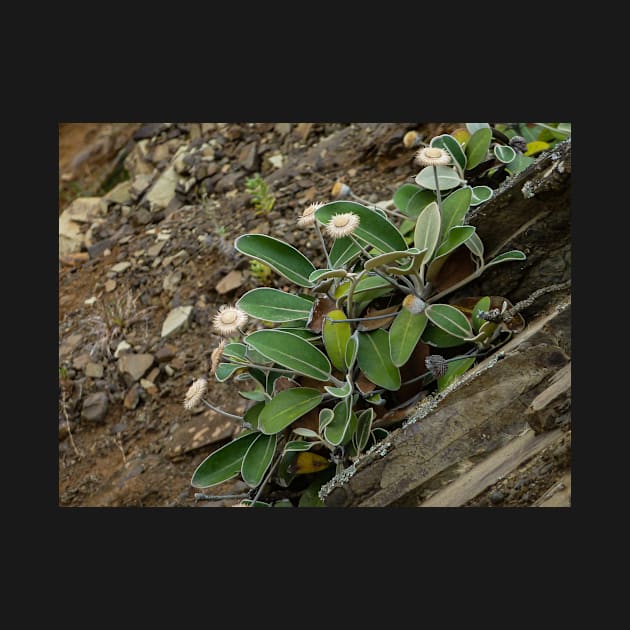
95, 407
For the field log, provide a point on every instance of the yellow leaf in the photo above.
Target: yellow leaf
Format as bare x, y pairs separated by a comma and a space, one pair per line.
536, 147
461, 135
307, 462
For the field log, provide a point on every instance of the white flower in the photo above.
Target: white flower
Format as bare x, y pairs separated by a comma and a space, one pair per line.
432, 156
229, 319
308, 216
195, 393
342, 224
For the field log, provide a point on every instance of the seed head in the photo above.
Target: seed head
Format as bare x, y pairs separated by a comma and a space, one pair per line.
215, 357
340, 190
229, 319
432, 156
436, 364
342, 224
414, 304
308, 216
195, 393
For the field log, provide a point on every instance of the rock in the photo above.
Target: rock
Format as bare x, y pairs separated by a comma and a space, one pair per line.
94, 370
139, 185
165, 353
79, 363
202, 430
177, 318
148, 386
249, 158
110, 285
135, 364
276, 160
163, 191
228, 182
120, 267
90, 301
63, 430
95, 407
282, 129
155, 250
206, 128
72, 238
141, 216
302, 130
169, 370
152, 375
148, 130
175, 258
228, 283
119, 194
132, 397
69, 344
497, 497
122, 347
171, 281
261, 228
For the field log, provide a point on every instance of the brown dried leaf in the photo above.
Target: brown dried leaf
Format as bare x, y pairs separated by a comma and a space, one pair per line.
377, 323
458, 266
364, 384
321, 307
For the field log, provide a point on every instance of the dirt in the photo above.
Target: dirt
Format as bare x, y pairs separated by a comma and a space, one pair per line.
144, 450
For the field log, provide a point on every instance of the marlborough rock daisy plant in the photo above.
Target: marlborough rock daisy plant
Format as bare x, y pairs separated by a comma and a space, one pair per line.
330, 366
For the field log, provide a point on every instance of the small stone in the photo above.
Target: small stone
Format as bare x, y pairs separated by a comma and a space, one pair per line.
120, 267
148, 387
229, 182
110, 285
141, 216
122, 347
170, 282
79, 363
69, 344
261, 228
169, 370
95, 407
94, 370
282, 129
276, 160
135, 364
165, 353
63, 430
497, 497
231, 281
139, 185
119, 194
132, 397
175, 259
249, 158
153, 374
90, 301
177, 318
163, 190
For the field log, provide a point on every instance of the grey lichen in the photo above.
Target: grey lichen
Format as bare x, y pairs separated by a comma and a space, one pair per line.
338, 480
528, 190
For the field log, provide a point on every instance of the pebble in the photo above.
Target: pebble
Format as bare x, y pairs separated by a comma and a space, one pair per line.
69, 344
177, 318
135, 364
497, 497
231, 281
94, 370
121, 347
79, 363
95, 407
110, 285
170, 282
120, 267
132, 397
276, 160
148, 386
165, 353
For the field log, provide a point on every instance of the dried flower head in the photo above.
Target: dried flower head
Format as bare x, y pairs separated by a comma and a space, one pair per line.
436, 364
195, 393
340, 190
342, 224
414, 304
411, 139
229, 319
432, 156
519, 143
215, 357
308, 216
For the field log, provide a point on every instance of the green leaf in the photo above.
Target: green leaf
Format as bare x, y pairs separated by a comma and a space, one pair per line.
454, 208
447, 178
251, 415
367, 288
291, 352
336, 431
280, 256
310, 497
455, 237
224, 463
513, 254
256, 395
364, 427
373, 228
287, 406
435, 336
343, 251
326, 416
375, 361
427, 232
258, 459
520, 163
225, 370
477, 147
449, 144
298, 332
473, 127
340, 392
450, 320
482, 305
335, 337
352, 347
404, 334
417, 257
304, 432
455, 369
273, 305
326, 274
235, 351
504, 153
384, 259
298, 445
411, 199
283, 503
475, 245
480, 194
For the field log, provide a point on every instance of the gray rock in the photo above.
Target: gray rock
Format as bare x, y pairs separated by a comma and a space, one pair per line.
282, 129
132, 397
120, 267
122, 347
231, 281
69, 344
94, 370
140, 217
497, 497
110, 285
171, 281
155, 250
163, 191
249, 158
166, 353
228, 182
135, 364
79, 363
139, 185
95, 407
177, 318
119, 194
72, 237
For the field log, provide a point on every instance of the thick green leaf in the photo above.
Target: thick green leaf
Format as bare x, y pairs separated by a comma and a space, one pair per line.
455, 237
473, 127
352, 347
235, 351
304, 432
326, 274
480, 194
427, 232
455, 369
450, 320
336, 431
368, 287
225, 370
504, 153
258, 459
326, 416
477, 147
364, 427
513, 254
411, 200
283, 503
447, 178
298, 445
385, 259
335, 337
224, 463
343, 251
448, 143
375, 361
257, 395
251, 415
475, 245
339, 392
454, 208
404, 334
299, 332
287, 406
435, 336
280, 256
291, 352
273, 305
482, 305
310, 497
373, 228
417, 257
